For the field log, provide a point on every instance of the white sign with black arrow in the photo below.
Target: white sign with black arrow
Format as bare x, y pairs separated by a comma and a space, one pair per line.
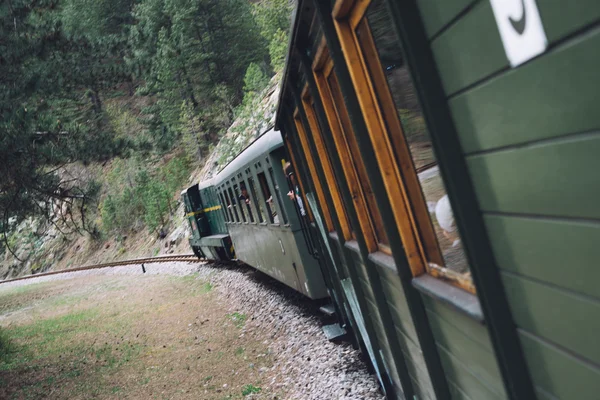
520, 28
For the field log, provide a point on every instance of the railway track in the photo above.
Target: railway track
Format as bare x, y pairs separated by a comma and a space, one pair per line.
147, 260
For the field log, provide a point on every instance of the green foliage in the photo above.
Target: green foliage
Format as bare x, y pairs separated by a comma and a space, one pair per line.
238, 319
278, 50
141, 196
66, 67
255, 79
193, 52
272, 16
250, 389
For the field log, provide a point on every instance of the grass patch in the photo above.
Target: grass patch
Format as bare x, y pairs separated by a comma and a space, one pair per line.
193, 283
238, 319
250, 389
7, 348
51, 329
46, 338
119, 338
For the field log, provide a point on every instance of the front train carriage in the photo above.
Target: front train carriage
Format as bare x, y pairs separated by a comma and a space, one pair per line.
451, 150
266, 226
209, 238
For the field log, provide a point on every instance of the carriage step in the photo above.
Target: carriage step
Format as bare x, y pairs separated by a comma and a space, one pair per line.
334, 332
327, 309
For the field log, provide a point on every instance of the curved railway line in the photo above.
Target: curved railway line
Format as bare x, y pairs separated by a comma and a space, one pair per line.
146, 260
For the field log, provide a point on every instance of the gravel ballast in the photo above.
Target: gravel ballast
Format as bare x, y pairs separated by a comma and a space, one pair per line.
306, 365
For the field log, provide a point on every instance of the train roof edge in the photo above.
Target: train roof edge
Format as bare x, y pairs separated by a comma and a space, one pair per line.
269, 140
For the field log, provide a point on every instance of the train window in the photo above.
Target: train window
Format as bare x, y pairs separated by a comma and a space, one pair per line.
245, 199
401, 140
224, 206
229, 206
255, 200
233, 205
364, 182
369, 217
279, 198
271, 211
325, 162
241, 203
288, 146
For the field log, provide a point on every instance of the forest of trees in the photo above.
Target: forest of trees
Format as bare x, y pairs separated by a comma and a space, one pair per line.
187, 65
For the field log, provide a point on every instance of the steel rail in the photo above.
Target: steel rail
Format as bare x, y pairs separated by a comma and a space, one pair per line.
146, 260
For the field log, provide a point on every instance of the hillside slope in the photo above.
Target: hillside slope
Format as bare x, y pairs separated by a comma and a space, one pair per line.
41, 247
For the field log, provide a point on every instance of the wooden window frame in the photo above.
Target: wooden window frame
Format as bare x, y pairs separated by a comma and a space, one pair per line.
323, 157
392, 152
322, 70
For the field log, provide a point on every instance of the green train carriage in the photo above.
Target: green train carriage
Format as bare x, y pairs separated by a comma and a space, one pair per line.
456, 181
266, 227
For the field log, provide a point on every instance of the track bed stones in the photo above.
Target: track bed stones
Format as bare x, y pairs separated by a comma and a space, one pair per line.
306, 364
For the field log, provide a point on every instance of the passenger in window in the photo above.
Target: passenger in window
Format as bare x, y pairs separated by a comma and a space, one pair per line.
274, 215
245, 197
294, 194
445, 218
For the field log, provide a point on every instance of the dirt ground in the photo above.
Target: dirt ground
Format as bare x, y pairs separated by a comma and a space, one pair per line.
133, 337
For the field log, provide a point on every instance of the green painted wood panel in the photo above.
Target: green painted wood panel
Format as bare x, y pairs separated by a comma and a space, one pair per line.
415, 363
567, 319
559, 178
456, 392
368, 290
420, 393
563, 17
389, 361
559, 252
465, 347
462, 375
480, 359
403, 323
558, 373
548, 97
436, 14
471, 49
542, 395
461, 322
394, 294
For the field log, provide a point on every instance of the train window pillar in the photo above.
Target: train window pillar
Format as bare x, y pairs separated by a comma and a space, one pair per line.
401, 141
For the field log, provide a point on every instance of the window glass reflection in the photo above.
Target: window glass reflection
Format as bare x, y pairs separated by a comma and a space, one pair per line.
376, 32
